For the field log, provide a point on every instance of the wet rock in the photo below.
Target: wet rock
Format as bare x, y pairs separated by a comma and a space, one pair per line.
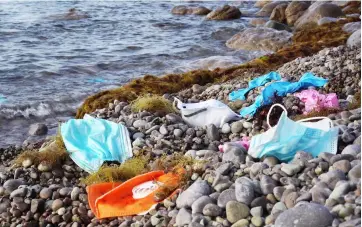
183, 10
263, 39
309, 214
38, 129
224, 13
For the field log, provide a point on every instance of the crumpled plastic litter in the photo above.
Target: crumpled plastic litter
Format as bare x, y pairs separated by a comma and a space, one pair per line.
136, 196
282, 89
259, 81
205, 113
315, 101
244, 142
91, 141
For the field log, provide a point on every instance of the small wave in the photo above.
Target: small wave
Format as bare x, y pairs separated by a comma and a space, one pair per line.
39, 110
211, 63
224, 33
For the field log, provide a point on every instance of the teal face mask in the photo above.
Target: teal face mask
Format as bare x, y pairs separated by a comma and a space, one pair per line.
287, 137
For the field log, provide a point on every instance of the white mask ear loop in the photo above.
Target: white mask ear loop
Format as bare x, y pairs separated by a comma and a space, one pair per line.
267, 116
318, 118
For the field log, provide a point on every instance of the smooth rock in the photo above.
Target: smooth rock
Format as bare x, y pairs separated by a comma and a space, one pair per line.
332, 177
236, 211
294, 10
261, 39
278, 13
200, 203
354, 174
224, 13
244, 190
226, 196
212, 132
12, 184
354, 39
352, 27
190, 195
212, 210
277, 26
305, 215
183, 217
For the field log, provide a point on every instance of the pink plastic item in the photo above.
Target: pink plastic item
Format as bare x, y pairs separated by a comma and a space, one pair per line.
315, 101
245, 142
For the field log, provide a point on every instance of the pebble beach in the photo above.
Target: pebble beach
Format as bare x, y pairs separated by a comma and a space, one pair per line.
229, 188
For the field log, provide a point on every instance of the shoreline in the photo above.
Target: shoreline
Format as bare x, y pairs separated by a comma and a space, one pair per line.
232, 187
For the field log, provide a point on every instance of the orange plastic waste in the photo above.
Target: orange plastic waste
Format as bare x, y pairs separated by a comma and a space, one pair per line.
135, 196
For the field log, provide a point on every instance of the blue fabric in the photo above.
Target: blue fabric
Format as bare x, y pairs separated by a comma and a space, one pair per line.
260, 81
91, 141
288, 137
282, 89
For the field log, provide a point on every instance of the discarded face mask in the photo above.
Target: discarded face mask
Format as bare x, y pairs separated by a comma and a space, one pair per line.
281, 89
205, 113
133, 197
315, 101
259, 81
287, 137
91, 141
244, 142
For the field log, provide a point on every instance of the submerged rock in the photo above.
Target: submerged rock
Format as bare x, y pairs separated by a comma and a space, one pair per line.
266, 39
224, 13
38, 129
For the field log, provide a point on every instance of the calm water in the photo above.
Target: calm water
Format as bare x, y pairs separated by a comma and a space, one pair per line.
48, 66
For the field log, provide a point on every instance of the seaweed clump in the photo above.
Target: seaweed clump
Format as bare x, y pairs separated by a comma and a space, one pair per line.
152, 103
356, 102
320, 113
306, 42
52, 154
130, 168
136, 166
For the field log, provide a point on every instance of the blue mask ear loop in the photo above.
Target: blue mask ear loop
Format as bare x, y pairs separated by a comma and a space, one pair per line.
271, 108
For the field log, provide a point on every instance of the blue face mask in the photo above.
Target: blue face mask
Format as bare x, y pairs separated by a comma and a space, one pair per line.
287, 137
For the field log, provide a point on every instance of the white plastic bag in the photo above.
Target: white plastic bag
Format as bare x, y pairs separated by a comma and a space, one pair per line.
205, 113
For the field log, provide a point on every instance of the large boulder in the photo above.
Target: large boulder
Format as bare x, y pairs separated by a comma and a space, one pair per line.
224, 13
267, 9
317, 11
260, 4
265, 39
278, 13
355, 39
294, 11
183, 10
305, 215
